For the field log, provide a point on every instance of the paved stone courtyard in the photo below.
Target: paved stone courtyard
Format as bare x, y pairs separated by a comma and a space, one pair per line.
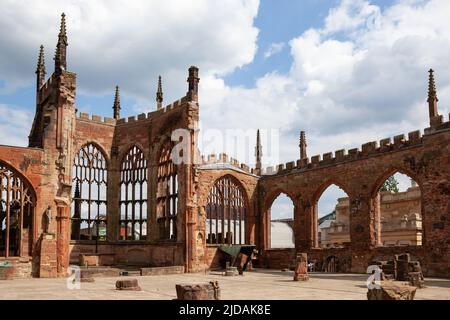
258, 284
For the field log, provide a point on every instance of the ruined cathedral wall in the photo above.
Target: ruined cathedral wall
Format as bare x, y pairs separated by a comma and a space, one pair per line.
206, 180
94, 130
360, 173
149, 132
30, 164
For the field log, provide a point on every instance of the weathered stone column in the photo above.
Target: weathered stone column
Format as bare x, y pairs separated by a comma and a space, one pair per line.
152, 192
362, 235
63, 239
377, 219
266, 229
48, 257
113, 198
315, 227
303, 225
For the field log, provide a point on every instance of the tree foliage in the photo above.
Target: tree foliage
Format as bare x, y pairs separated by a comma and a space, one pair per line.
391, 185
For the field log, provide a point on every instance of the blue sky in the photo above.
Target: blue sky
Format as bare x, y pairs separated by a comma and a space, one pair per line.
345, 71
279, 21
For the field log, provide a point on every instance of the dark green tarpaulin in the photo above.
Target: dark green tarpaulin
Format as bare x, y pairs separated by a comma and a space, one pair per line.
234, 250
5, 264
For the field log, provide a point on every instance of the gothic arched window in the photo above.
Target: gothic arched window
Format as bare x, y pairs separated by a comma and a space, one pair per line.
225, 213
133, 196
90, 178
167, 195
16, 214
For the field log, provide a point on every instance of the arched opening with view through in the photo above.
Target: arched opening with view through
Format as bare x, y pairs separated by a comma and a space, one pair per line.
282, 223
333, 218
398, 212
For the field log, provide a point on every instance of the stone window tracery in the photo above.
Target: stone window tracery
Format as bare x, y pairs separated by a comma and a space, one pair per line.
89, 201
225, 213
167, 195
16, 214
133, 196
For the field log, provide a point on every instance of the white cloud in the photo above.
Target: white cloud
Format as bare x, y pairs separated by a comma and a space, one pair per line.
129, 42
273, 49
351, 15
352, 81
15, 125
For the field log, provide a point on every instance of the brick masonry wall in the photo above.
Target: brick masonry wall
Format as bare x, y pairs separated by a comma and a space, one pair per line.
277, 259
427, 163
19, 268
131, 254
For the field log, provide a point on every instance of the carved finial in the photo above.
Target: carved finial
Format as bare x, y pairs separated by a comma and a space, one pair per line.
40, 70
116, 106
303, 145
432, 87
61, 47
159, 94
432, 98
62, 29
258, 154
193, 81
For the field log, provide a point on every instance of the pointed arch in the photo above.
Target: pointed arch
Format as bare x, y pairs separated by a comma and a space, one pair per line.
226, 212
281, 216
128, 147
17, 203
275, 194
133, 195
167, 193
389, 173
325, 185
331, 227
99, 148
89, 201
397, 213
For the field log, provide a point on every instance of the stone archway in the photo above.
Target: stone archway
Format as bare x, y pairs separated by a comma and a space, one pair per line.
226, 212
17, 203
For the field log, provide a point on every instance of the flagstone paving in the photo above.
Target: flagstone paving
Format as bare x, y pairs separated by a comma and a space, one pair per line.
255, 285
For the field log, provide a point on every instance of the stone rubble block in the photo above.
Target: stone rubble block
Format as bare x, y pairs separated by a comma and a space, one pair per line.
390, 290
204, 291
301, 268
129, 285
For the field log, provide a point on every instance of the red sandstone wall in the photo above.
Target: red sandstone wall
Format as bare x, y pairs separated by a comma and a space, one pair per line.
360, 174
131, 254
277, 259
100, 133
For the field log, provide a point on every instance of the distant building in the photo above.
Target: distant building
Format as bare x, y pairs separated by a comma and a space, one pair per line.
400, 221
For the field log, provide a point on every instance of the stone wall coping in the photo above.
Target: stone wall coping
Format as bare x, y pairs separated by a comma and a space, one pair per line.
131, 119
223, 158
366, 150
